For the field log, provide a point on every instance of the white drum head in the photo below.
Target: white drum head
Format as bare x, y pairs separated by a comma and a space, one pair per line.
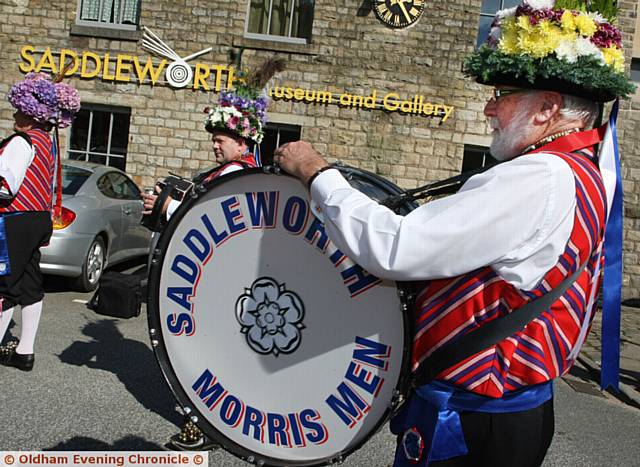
284, 349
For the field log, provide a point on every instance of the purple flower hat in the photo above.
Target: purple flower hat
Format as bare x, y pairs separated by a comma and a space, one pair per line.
44, 100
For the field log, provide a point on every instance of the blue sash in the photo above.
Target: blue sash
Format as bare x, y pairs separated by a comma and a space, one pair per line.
612, 280
429, 424
5, 267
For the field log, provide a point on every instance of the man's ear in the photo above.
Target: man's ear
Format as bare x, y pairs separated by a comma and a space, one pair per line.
548, 107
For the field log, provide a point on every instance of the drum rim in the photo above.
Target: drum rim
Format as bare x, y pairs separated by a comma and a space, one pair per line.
159, 349
408, 204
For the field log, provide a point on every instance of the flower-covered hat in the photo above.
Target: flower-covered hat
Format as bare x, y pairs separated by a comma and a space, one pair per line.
243, 111
44, 100
568, 46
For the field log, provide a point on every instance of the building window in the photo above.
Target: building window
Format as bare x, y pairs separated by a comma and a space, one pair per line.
635, 69
101, 134
118, 14
280, 20
488, 10
276, 134
476, 157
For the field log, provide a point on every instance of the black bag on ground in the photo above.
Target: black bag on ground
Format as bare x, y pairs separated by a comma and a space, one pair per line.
119, 295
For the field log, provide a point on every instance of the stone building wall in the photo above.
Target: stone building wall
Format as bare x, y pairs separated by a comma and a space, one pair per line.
629, 139
351, 52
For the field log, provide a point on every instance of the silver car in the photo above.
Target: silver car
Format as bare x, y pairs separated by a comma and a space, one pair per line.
101, 212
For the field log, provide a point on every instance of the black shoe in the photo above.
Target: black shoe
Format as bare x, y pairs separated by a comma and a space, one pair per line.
9, 357
190, 438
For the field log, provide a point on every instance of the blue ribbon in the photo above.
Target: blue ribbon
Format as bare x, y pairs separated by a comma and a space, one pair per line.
434, 412
256, 155
5, 267
612, 281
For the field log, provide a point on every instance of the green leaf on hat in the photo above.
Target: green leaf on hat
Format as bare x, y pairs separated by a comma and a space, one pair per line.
607, 8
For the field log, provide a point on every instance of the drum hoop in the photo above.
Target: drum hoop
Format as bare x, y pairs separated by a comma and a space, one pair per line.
347, 170
157, 343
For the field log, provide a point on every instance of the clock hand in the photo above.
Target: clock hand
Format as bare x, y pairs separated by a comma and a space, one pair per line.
404, 10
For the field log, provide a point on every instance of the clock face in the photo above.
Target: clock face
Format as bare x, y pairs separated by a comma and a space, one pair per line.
398, 13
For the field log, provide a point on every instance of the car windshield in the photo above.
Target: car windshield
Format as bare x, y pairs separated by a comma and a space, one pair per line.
73, 178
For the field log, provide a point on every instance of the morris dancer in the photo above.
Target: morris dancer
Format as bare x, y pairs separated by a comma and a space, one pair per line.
27, 163
236, 125
511, 234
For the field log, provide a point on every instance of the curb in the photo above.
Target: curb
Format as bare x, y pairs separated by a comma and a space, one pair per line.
625, 389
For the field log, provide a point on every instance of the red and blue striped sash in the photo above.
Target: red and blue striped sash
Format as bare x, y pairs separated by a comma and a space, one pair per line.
245, 161
35, 192
449, 308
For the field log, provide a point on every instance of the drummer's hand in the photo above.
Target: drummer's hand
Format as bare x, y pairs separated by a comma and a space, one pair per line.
149, 200
299, 159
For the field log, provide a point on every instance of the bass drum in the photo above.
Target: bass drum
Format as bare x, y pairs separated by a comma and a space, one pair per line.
282, 349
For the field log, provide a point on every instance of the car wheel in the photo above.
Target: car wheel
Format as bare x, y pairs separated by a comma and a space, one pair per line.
93, 266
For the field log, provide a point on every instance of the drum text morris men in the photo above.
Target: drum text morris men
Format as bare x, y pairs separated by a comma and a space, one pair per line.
27, 162
511, 234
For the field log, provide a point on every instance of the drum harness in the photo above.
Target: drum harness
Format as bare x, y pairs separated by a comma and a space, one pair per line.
494, 331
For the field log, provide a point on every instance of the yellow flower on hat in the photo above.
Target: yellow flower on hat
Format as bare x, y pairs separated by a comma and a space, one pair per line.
568, 21
614, 57
509, 40
552, 34
541, 41
585, 25
534, 45
524, 23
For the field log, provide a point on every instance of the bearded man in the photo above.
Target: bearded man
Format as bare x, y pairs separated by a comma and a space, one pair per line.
514, 233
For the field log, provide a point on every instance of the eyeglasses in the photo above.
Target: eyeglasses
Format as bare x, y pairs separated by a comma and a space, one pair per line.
498, 93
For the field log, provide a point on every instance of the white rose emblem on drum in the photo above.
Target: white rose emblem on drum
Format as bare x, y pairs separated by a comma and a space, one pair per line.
271, 317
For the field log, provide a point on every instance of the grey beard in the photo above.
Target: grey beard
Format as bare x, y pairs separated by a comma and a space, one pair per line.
507, 141
502, 146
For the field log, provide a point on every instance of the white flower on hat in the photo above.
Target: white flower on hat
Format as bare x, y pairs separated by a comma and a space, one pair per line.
566, 50
597, 17
494, 37
215, 117
501, 14
586, 48
540, 4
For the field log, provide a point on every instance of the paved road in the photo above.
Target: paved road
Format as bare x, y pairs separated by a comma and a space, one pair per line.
96, 386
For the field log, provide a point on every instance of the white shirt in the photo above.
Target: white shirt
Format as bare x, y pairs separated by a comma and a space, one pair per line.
516, 217
173, 204
14, 162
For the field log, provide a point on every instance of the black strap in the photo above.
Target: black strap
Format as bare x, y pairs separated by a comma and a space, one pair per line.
489, 334
156, 220
21, 134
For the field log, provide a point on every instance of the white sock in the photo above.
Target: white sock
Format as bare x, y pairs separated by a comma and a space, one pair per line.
5, 320
30, 321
